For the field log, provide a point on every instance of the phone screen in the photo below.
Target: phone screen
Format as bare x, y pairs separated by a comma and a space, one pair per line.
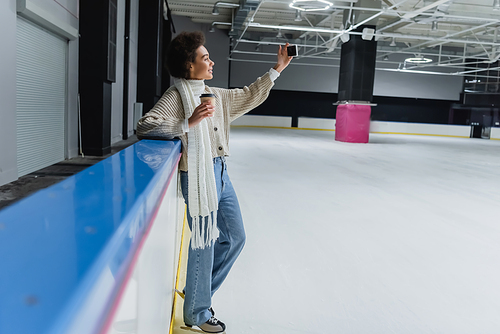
292, 50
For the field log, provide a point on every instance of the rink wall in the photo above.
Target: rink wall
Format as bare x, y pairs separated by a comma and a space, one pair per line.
495, 133
328, 124
268, 121
97, 252
462, 131
317, 123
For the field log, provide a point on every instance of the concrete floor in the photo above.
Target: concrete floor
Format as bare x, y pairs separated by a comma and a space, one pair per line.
45, 177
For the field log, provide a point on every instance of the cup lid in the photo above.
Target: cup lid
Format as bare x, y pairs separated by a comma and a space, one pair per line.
207, 95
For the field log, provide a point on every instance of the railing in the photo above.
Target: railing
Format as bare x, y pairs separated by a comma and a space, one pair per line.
68, 252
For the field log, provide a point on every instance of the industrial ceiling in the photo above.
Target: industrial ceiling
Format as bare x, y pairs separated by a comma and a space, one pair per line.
455, 37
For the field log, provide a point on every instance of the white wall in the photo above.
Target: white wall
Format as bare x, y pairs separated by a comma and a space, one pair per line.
296, 77
8, 147
318, 75
217, 44
64, 14
64, 10
424, 86
299, 76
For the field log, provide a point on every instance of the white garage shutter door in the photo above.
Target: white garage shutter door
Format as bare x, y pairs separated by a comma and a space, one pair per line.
41, 97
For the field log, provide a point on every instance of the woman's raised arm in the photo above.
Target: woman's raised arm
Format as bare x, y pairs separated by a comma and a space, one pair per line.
248, 98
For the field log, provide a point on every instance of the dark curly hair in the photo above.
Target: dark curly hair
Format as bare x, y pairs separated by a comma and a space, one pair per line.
182, 51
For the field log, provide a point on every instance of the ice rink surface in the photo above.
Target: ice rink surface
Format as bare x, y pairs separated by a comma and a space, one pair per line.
401, 235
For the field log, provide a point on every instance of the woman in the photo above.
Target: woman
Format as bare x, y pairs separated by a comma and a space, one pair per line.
217, 232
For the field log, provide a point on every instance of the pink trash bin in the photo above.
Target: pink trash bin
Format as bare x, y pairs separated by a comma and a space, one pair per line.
353, 123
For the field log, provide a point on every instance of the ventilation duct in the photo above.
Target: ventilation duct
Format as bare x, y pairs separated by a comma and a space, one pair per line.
241, 14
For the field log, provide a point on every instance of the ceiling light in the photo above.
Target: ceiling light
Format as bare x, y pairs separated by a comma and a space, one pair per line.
393, 42
496, 4
435, 25
211, 29
298, 17
295, 28
345, 37
367, 34
418, 60
311, 5
279, 35
386, 57
215, 11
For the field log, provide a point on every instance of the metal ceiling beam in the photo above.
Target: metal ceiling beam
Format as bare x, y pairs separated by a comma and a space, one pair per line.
337, 58
380, 35
331, 17
377, 69
355, 26
446, 39
424, 9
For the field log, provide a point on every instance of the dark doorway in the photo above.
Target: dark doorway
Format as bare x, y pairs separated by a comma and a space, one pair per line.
481, 122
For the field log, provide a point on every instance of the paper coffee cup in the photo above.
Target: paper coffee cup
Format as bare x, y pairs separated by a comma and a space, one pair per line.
208, 97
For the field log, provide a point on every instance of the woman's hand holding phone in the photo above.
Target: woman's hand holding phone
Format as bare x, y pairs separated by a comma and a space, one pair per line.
283, 58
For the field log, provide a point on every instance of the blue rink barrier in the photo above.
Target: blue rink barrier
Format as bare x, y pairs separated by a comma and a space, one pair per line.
57, 245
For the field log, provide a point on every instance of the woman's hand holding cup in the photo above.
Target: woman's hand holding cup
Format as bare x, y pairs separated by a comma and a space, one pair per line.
204, 110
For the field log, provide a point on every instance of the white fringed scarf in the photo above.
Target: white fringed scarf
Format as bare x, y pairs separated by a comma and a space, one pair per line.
202, 191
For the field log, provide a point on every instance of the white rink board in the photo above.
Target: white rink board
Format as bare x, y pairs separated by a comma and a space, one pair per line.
146, 305
375, 126
495, 133
317, 123
257, 120
420, 129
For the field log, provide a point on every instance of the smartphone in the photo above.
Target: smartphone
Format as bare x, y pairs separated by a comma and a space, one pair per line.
292, 50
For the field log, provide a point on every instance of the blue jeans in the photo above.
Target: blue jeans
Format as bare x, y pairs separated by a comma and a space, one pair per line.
207, 268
